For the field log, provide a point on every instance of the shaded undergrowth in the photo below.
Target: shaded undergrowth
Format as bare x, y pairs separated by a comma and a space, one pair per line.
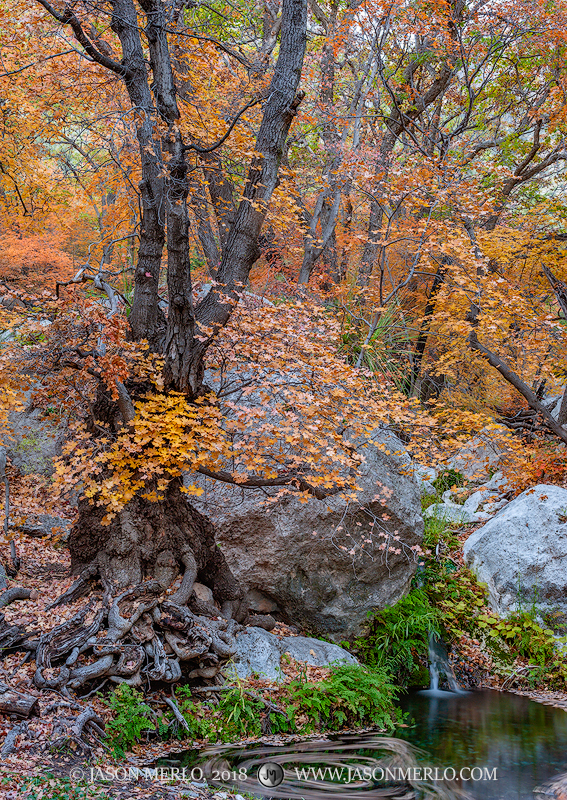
347, 696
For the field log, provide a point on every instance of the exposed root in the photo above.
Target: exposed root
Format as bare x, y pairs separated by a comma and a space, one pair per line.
79, 588
71, 638
177, 713
16, 593
125, 611
137, 633
80, 733
13, 702
184, 592
136, 637
11, 636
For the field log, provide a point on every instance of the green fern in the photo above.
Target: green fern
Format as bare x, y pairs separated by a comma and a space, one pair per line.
397, 637
351, 695
131, 717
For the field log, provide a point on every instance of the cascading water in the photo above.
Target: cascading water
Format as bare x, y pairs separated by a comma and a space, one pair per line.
438, 659
439, 665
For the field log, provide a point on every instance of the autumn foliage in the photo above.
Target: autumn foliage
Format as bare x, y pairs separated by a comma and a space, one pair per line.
419, 199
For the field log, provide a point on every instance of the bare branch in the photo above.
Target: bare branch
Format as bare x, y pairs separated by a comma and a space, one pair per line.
223, 139
257, 482
69, 18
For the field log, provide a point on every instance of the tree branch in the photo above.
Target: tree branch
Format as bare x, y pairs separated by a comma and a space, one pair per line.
257, 483
509, 375
68, 18
223, 139
558, 287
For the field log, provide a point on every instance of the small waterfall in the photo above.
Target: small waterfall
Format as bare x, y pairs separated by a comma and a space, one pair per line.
435, 664
439, 665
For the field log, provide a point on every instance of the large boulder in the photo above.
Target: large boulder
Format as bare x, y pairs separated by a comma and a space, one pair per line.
259, 652
521, 554
33, 440
479, 458
326, 564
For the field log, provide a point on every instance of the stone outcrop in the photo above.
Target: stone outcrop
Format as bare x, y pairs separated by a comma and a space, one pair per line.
32, 440
259, 652
480, 505
326, 563
521, 554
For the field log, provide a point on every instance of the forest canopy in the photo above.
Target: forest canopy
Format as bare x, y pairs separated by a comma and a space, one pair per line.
245, 243
419, 192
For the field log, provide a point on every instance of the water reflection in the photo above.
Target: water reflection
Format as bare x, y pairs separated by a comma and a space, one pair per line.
525, 741
349, 767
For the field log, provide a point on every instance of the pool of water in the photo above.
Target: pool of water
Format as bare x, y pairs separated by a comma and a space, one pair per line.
509, 744
525, 741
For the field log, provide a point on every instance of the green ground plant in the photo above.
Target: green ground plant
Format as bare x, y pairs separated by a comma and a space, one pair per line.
397, 638
131, 716
447, 479
351, 695
238, 713
200, 725
49, 787
462, 603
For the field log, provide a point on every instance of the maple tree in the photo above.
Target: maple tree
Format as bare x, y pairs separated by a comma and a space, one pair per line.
166, 534
407, 223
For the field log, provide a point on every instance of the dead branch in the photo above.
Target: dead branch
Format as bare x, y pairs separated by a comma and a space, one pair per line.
178, 715
10, 741
13, 702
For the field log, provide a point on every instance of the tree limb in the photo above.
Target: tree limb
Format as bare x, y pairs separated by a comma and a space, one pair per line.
257, 482
223, 139
509, 375
68, 18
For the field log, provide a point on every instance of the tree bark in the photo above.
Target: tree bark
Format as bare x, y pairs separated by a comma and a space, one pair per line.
184, 362
420, 345
152, 540
146, 319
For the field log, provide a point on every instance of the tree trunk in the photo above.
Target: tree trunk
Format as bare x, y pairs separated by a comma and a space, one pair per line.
153, 540
149, 546
139, 632
419, 350
146, 319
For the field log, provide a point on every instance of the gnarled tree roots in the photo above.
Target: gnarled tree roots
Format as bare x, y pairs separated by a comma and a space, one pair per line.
149, 625
135, 637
